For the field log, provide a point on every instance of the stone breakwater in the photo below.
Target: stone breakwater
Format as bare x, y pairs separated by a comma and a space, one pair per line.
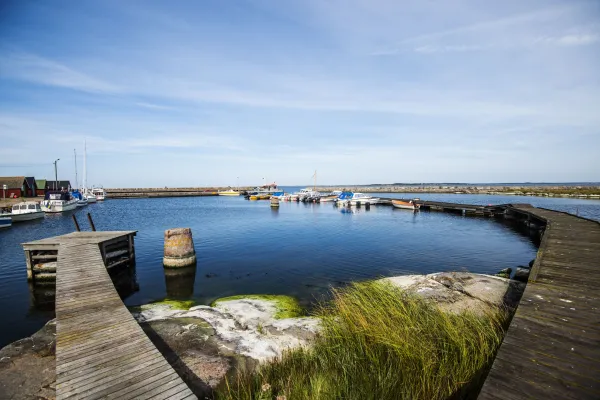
204, 344
124, 193
591, 192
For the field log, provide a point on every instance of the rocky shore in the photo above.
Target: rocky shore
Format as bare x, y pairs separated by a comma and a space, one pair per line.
205, 344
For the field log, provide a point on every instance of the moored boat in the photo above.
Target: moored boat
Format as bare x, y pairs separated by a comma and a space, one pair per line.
405, 205
82, 200
5, 220
363, 199
229, 192
26, 211
99, 193
55, 202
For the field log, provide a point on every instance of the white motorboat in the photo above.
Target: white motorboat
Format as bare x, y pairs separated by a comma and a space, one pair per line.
99, 193
405, 205
26, 211
55, 202
90, 197
363, 199
5, 220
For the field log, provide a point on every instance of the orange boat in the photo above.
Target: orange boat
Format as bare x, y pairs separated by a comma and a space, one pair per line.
406, 205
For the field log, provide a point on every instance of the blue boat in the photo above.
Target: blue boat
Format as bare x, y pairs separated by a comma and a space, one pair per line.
5, 220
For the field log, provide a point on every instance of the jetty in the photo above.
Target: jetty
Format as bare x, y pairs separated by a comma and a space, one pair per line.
552, 347
101, 351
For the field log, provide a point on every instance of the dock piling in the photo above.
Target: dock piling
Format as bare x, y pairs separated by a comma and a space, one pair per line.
89, 216
76, 223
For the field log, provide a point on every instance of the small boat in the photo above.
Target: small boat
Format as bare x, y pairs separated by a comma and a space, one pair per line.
405, 205
99, 193
91, 198
229, 192
363, 199
344, 199
5, 220
55, 202
26, 211
82, 200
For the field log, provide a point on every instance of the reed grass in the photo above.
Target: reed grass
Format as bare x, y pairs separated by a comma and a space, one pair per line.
379, 342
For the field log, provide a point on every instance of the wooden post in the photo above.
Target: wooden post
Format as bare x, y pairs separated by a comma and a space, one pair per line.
76, 223
91, 222
29, 266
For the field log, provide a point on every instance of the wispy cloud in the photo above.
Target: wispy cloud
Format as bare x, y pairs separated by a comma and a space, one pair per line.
37, 69
153, 106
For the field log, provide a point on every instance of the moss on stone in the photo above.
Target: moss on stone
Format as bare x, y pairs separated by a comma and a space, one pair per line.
287, 306
173, 304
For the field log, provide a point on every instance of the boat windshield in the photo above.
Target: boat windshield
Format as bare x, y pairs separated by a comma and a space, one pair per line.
57, 196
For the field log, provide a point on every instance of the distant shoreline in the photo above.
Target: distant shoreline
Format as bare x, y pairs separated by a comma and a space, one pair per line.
573, 191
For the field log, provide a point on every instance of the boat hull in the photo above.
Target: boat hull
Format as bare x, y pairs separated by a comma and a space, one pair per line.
5, 222
231, 193
404, 205
54, 207
27, 216
91, 199
82, 203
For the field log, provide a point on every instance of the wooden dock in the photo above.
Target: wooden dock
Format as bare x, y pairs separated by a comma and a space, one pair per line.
101, 351
552, 347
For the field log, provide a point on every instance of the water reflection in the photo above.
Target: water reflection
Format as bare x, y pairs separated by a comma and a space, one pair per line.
180, 282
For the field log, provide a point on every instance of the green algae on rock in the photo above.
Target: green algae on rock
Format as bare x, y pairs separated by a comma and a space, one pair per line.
287, 306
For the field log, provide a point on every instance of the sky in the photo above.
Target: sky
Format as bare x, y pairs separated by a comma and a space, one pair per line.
212, 92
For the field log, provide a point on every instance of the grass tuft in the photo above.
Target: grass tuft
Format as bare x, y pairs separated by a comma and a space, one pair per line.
379, 342
287, 306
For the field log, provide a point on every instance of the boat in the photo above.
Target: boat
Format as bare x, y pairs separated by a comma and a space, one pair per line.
82, 200
26, 211
55, 202
344, 199
405, 205
363, 199
87, 193
99, 193
229, 192
5, 220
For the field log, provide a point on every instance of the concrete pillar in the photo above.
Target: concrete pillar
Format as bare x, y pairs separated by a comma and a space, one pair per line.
179, 248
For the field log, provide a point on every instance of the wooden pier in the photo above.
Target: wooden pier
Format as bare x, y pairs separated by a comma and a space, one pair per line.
101, 351
552, 347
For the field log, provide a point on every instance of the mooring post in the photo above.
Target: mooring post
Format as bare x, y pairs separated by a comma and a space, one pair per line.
76, 223
91, 222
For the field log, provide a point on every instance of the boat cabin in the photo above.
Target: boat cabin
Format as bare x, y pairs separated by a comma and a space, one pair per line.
26, 208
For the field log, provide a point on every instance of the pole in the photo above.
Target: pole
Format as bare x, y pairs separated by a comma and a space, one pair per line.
84, 167
76, 223
91, 222
56, 173
76, 176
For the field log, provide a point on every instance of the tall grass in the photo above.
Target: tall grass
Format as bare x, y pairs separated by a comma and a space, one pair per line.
378, 342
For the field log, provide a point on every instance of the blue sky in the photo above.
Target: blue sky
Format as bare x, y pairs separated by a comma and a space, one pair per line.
186, 93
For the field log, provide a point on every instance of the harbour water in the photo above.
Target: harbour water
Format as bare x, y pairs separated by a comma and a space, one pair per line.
299, 249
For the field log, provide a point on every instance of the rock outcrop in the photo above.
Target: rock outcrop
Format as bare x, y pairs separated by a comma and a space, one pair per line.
204, 343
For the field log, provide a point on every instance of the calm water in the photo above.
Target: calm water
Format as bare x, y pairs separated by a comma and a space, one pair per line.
300, 250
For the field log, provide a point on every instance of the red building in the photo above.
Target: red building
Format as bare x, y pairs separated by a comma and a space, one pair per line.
14, 186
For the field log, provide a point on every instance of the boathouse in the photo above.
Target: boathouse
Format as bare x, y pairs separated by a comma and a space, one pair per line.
18, 186
40, 187
57, 185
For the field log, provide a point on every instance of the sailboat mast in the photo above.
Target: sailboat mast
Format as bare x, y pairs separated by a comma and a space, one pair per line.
76, 176
315, 186
84, 166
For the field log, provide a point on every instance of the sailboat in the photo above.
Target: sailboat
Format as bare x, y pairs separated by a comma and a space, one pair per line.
82, 201
87, 193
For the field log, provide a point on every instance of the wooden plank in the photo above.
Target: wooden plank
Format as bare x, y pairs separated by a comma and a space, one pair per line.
552, 348
100, 348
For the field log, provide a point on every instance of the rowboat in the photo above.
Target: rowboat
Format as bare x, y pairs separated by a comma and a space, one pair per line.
229, 193
405, 205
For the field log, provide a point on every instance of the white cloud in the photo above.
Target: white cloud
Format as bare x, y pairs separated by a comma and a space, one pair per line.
33, 68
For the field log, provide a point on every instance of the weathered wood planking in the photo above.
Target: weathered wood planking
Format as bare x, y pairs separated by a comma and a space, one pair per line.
101, 351
552, 348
